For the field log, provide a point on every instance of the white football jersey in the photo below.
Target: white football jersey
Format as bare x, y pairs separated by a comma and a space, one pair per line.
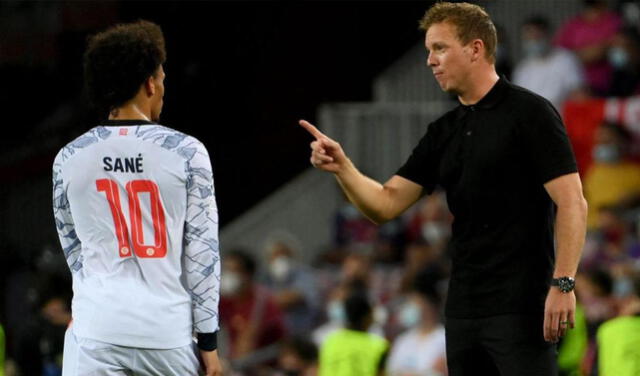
135, 210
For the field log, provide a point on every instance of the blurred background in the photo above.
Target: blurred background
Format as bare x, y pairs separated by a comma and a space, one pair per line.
239, 76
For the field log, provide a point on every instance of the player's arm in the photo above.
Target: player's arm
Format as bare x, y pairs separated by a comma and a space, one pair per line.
570, 229
202, 257
379, 202
71, 245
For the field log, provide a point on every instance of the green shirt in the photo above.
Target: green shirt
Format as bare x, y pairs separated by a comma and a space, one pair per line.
619, 347
351, 353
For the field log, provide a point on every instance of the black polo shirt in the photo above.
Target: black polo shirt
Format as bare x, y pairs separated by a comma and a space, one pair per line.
492, 159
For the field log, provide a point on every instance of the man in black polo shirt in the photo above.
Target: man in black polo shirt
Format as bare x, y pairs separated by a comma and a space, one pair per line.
504, 159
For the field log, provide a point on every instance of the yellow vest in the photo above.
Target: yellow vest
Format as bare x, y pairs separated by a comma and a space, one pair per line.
1, 351
619, 347
574, 345
351, 353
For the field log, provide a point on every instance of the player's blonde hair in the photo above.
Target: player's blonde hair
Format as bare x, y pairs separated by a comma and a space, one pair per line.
471, 22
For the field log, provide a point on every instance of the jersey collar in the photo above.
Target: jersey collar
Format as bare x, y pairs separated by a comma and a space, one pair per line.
125, 122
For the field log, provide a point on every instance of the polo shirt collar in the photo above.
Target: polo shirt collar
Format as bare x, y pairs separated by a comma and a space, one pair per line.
494, 96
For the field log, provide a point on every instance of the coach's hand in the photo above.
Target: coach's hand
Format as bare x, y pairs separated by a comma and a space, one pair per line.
559, 310
211, 363
326, 154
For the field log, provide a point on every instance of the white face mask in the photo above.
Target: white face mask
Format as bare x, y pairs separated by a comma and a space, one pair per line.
280, 268
535, 48
434, 232
606, 153
230, 283
618, 57
410, 315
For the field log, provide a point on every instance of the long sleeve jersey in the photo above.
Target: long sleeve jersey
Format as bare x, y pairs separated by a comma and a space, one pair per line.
135, 211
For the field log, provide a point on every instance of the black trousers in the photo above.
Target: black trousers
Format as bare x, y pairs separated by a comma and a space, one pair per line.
504, 345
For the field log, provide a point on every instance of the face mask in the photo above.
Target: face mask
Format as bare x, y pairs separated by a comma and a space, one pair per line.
434, 233
280, 268
380, 315
618, 57
623, 287
410, 315
606, 153
336, 313
535, 48
230, 283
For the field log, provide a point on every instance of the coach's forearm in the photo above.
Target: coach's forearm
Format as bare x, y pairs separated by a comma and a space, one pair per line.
571, 224
368, 195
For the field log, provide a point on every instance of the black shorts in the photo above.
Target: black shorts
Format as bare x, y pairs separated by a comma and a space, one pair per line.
504, 345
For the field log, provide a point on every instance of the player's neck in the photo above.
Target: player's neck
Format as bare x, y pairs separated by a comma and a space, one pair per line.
427, 327
131, 111
479, 87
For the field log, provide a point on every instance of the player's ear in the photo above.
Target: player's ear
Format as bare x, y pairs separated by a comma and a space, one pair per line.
476, 47
150, 86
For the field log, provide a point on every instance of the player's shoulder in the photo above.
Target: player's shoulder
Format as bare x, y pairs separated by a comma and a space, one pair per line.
519, 96
170, 139
81, 143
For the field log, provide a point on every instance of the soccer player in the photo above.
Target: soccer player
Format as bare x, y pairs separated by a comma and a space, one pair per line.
137, 219
504, 160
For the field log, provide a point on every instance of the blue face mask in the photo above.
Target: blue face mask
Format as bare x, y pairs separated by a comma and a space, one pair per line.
618, 57
410, 315
336, 313
606, 153
535, 48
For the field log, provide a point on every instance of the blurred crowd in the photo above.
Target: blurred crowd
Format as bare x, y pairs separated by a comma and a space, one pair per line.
374, 297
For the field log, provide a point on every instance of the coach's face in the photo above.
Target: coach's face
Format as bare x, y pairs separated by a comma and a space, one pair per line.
449, 60
158, 94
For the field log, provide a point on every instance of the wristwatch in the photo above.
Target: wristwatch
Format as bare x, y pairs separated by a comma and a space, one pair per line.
565, 284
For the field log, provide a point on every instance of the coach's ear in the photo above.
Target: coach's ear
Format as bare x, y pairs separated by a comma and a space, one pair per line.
150, 86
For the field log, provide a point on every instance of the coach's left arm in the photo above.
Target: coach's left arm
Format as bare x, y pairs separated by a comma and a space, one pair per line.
570, 230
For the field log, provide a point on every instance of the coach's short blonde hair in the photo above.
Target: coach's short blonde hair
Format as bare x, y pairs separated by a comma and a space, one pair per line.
471, 22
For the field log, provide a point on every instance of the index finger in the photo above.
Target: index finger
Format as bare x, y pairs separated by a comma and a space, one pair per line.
311, 129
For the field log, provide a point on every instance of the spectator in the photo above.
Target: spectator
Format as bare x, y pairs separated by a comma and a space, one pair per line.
421, 349
353, 351
431, 222
551, 72
336, 317
624, 57
298, 357
248, 311
589, 35
353, 229
619, 339
420, 256
336, 314
615, 248
56, 312
594, 292
292, 284
613, 179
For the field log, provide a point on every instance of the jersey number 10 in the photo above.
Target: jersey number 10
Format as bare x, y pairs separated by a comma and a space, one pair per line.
134, 187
